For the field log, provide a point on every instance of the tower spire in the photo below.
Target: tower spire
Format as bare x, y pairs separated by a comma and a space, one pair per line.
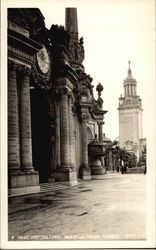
129, 69
129, 84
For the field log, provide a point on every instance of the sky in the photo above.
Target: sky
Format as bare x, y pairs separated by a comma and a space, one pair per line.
114, 32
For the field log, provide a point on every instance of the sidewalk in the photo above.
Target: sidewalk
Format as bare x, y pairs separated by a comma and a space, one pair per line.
111, 208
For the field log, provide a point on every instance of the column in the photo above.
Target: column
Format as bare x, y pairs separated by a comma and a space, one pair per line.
97, 164
71, 133
65, 172
84, 144
57, 134
13, 120
132, 89
25, 114
124, 90
100, 125
64, 130
21, 181
129, 90
85, 172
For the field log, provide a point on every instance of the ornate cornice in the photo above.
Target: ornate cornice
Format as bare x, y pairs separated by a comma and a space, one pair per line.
22, 42
62, 91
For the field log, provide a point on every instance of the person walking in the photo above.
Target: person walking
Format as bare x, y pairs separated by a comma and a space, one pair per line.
122, 166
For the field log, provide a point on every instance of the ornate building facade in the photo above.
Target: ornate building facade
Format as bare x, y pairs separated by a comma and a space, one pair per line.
130, 117
52, 112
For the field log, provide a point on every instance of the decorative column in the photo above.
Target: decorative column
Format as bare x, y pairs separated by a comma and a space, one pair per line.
100, 125
25, 114
13, 120
65, 172
64, 130
85, 172
57, 134
25, 180
71, 132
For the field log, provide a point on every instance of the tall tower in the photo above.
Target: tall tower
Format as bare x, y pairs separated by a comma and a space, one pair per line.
76, 48
130, 116
71, 21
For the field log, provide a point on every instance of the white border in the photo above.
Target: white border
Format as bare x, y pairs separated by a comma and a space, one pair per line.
5, 244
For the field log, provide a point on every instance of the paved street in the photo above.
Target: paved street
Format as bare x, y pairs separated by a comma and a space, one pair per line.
112, 208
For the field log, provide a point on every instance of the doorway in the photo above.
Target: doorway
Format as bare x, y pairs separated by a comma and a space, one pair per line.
41, 133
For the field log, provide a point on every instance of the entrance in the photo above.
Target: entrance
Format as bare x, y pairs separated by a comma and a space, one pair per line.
41, 133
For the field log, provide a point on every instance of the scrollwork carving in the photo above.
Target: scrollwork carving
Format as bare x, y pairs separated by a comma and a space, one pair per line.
39, 80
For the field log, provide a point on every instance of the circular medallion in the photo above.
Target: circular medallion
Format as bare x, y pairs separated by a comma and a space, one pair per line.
43, 60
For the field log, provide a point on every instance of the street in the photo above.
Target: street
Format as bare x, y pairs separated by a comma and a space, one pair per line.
113, 208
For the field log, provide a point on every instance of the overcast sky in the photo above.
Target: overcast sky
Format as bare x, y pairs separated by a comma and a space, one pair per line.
114, 32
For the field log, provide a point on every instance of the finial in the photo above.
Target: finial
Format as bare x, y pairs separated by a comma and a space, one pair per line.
99, 89
129, 70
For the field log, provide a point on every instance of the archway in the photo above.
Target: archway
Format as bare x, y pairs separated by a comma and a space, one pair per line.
41, 133
90, 134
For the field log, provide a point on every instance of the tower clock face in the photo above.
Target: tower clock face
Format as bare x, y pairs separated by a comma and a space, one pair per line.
43, 60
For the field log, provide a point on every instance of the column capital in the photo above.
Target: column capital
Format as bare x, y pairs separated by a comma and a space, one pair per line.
100, 123
63, 91
84, 114
24, 69
11, 65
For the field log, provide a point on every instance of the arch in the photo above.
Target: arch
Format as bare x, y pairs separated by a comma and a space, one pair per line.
90, 134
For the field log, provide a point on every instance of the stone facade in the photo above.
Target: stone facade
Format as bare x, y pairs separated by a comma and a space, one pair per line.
52, 113
130, 116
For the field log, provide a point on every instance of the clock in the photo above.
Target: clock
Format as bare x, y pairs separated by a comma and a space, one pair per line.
43, 60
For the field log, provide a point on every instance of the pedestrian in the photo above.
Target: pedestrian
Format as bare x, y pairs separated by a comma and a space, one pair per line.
125, 167
122, 166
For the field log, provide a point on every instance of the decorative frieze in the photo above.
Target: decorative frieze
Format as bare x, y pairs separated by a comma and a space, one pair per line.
22, 55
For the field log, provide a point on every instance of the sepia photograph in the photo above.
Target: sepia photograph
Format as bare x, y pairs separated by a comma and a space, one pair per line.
78, 124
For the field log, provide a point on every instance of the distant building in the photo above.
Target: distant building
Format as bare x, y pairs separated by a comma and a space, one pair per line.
130, 117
